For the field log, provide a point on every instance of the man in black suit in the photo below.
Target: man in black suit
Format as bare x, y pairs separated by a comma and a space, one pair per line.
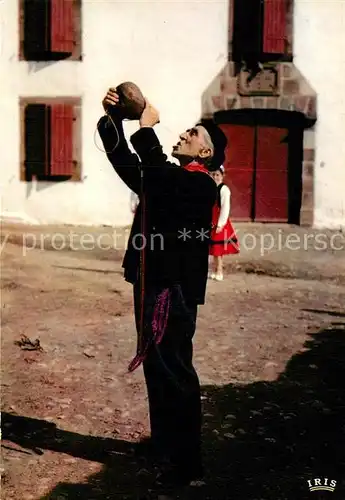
167, 263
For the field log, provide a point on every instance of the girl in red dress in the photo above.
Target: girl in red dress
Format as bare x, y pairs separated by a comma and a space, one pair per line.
223, 236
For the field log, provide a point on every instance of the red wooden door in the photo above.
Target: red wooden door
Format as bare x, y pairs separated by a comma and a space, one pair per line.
271, 179
239, 169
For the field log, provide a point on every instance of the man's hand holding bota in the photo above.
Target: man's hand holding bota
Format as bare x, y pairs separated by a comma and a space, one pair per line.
111, 99
149, 117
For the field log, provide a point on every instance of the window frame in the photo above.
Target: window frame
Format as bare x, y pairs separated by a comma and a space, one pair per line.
76, 140
266, 58
47, 56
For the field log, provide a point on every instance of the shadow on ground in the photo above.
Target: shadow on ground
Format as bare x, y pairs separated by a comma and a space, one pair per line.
262, 441
86, 269
337, 314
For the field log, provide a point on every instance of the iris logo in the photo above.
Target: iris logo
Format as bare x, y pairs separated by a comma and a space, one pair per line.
322, 484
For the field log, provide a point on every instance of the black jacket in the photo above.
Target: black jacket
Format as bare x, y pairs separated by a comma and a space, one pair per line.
178, 212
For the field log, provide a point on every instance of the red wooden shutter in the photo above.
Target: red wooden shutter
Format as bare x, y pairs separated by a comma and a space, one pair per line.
271, 186
239, 167
274, 26
62, 29
61, 140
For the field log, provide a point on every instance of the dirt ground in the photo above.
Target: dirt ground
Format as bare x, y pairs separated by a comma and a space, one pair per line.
269, 350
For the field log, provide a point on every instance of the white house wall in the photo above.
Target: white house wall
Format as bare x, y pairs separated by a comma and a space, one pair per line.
171, 49
319, 47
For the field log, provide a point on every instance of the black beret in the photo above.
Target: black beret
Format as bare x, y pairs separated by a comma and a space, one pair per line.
219, 141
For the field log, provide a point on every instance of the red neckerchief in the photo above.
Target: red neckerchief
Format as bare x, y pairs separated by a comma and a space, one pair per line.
196, 167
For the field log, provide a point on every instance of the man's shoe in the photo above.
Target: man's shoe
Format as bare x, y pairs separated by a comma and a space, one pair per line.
176, 477
148, 449
145, 447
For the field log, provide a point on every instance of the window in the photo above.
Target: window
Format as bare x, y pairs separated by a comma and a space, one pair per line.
50, 139
261, 31
50, 30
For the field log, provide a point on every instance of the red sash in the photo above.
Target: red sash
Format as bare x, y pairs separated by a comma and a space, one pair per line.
194, 166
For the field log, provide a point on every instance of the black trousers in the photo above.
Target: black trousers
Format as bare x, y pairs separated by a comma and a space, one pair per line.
172, 382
